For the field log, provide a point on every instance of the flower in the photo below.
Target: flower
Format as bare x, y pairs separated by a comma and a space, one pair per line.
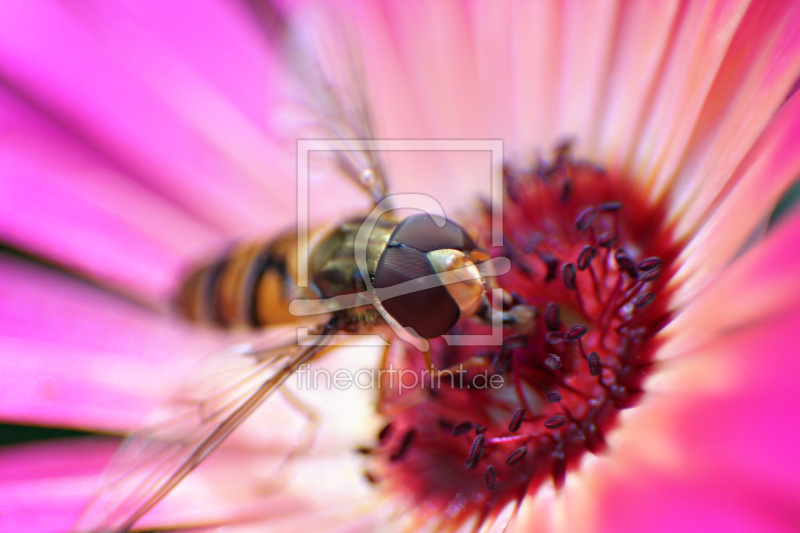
134, 140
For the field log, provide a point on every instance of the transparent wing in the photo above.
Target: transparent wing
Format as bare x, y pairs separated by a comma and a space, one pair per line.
323, 59
227, 389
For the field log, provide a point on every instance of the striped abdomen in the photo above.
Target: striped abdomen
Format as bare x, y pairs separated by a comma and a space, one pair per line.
251, 286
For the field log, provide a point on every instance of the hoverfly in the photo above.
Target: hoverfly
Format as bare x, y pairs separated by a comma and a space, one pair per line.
374, 272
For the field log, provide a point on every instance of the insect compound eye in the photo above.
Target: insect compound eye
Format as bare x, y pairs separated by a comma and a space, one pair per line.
430, 312
421, 233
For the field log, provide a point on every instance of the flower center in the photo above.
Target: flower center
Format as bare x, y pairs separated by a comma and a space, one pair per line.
493, 424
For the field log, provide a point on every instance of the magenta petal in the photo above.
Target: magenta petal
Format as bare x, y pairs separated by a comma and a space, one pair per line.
144, 108
666, 502
44, 487
76, 356
743, 430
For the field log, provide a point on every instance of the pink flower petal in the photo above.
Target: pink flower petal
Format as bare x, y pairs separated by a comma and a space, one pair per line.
76, 356
664, 502
637, 57
699, 41
758, 71
64, 202
44, 486
181, 151
767, 172
759, 285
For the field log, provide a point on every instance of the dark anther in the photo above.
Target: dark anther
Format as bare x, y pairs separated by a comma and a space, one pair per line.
516, 420
370, 477
491, 477
552, 316
516, 299
404, 445
650, 275
644, 300
551, 262
515, 341
626, 263
384, 433
517, 456
576, 332
586, 218
650, 263
479, 429
607, 239
588, 253
554, 397
555, 422
501, 361
566, 191
611, 206
475, 452
462, 428
563, 150
569, 273
554, 337
365, 450
553, 361
594, 364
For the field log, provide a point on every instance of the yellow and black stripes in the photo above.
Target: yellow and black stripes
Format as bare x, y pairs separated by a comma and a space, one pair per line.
248, 287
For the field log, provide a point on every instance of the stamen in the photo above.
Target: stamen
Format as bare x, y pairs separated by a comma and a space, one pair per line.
517, 456
475, 452
490, 476
552, 317
385, 432
651, 263
555, 422
553, 361
516, 420
554, 397
404, 446
588, 253
610, 207
462, 428
644, 300
586, 218
626, 263
576, 332
607, 239
594, 364
649, 275
569, 274
551, 263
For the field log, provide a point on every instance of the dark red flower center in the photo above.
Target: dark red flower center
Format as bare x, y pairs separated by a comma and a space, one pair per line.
491, 425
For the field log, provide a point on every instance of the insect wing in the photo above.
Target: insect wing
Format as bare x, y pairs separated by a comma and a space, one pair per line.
226, 389
321, 55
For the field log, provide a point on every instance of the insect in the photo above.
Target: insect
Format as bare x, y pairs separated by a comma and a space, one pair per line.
413, 277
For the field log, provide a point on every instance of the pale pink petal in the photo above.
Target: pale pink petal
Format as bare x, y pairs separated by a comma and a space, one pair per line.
639, 51
588, 34
759, 286
699, 42
534, 48
768, 170
45, 487
760, 67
